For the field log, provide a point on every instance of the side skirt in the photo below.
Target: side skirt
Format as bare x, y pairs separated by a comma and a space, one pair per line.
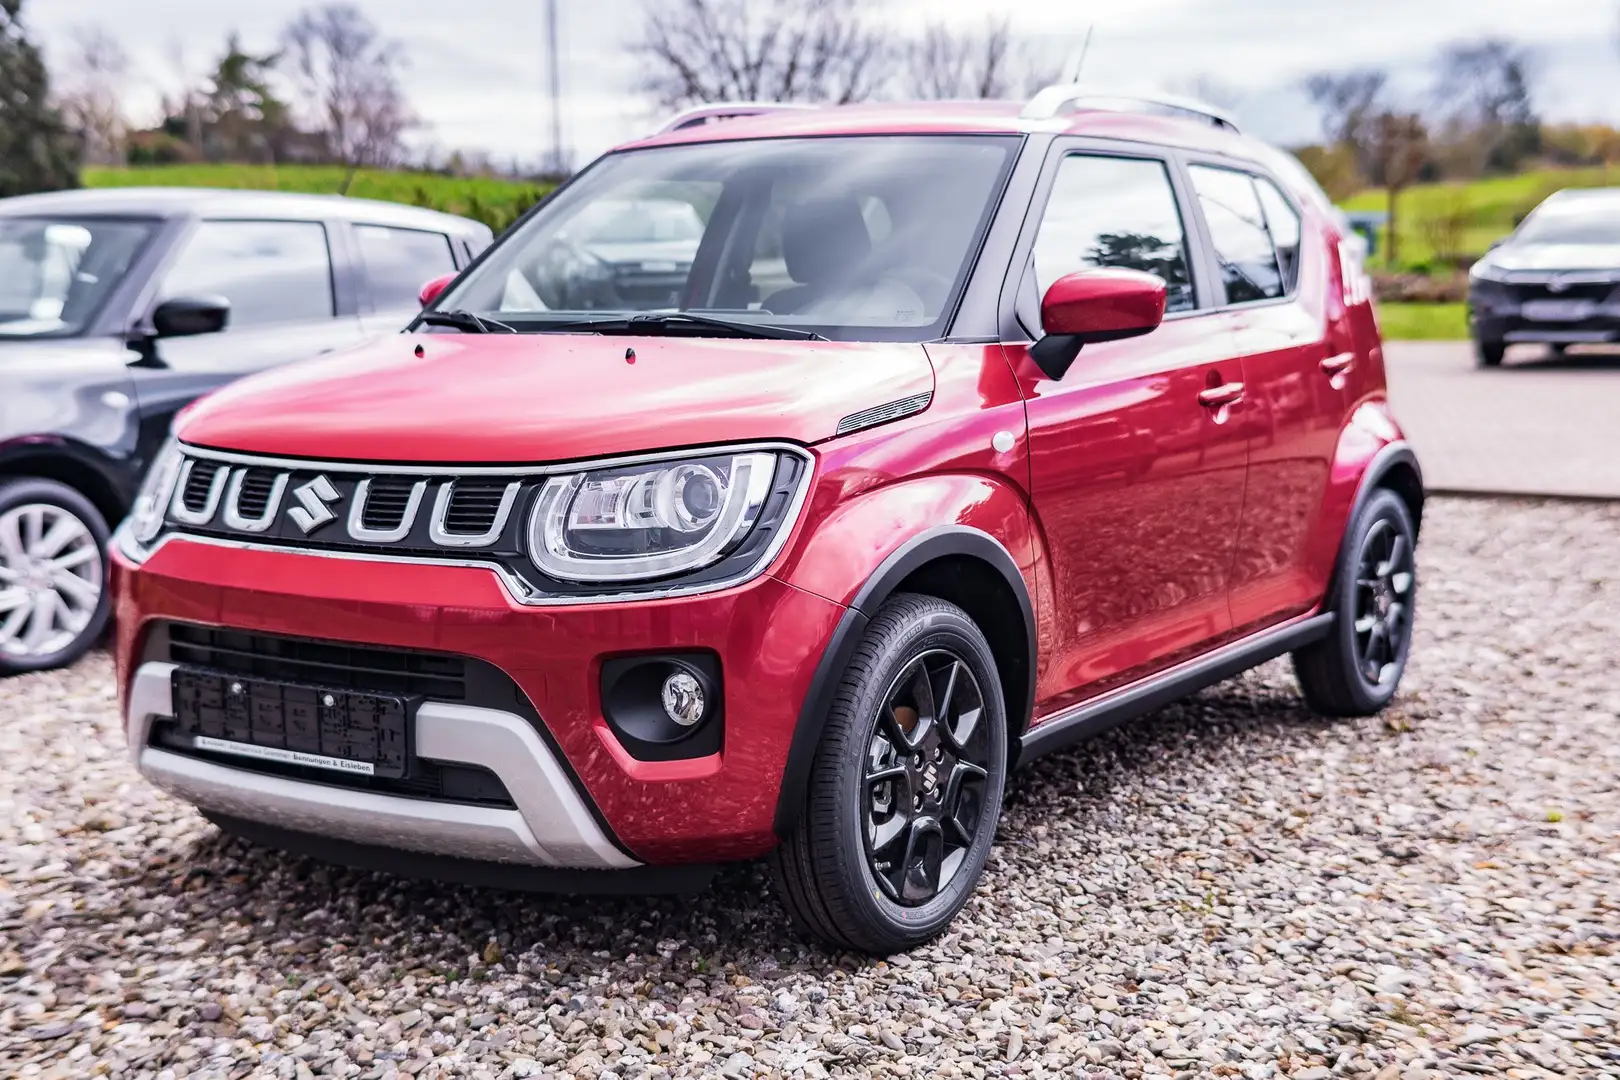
1082, 721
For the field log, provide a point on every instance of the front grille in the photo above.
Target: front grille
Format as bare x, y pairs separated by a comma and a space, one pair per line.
319, 663
473, 506
195, 495
255, 493
386, 502
1540, 291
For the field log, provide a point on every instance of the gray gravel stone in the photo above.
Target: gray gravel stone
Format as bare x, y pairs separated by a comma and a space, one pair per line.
1233, 887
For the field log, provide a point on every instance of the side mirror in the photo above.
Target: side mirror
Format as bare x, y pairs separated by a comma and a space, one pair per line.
1094, 306
430, 292
187, 316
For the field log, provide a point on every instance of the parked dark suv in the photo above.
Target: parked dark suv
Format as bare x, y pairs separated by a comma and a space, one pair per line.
117, 308
974, 430
1554, 281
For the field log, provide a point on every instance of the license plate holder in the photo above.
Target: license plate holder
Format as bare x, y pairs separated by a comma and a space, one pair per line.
1557, 310
329, 728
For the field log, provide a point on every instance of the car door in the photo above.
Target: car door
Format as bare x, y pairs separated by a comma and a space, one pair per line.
286, 304
1295, 367
1136, 472
394, 264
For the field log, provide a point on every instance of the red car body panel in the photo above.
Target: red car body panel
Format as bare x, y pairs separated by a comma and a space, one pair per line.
768, 635
556, 398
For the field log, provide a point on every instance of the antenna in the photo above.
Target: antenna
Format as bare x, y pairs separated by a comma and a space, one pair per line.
1077, 61
558, 166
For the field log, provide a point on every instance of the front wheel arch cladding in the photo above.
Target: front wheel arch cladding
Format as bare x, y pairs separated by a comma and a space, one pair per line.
933, 547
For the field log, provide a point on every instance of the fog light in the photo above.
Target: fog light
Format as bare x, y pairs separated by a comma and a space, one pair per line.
683, 698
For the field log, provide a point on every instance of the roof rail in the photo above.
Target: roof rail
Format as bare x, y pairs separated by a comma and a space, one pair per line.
728, 110
1052, 102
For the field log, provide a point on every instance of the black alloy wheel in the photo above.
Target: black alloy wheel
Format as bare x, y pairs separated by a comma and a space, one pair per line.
1355, 670
926, 771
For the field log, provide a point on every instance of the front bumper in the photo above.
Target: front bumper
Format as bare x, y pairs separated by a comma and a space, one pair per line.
1493, 317
580, 799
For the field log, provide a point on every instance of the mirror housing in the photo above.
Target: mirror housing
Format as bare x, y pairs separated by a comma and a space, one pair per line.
1094, 306
187, 316
430, 292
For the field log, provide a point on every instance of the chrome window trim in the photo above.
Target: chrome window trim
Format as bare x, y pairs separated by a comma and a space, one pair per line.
357, 515
441, 507
517, 588
233, 513
177, 503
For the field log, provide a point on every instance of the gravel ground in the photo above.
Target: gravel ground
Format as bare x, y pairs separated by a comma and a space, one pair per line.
1231, 888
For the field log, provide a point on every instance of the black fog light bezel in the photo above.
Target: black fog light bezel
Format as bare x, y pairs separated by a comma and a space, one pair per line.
631, 690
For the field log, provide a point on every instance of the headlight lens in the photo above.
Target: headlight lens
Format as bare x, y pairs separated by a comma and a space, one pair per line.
145, 519
647, 520
1486, 270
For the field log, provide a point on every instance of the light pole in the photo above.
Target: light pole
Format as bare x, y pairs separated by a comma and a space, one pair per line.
558, 166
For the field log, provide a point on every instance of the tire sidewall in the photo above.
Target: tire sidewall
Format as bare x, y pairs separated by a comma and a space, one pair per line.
18, 492
1382, 505
947, 629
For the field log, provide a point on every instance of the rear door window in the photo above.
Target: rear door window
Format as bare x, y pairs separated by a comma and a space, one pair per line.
399, 262
1114, 212
1250, 269
270, 271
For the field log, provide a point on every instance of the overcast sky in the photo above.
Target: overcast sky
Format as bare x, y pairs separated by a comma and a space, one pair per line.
477, 68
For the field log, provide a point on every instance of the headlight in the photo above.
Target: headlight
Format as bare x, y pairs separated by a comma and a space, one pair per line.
1485, 270
649, 519
145, 519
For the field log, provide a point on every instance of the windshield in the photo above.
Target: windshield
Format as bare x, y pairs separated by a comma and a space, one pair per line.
55, 273
1594, 223
853, 238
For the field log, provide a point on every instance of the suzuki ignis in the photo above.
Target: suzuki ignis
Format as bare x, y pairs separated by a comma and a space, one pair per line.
775, 489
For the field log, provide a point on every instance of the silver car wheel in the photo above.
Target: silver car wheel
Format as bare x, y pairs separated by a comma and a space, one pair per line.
51, 577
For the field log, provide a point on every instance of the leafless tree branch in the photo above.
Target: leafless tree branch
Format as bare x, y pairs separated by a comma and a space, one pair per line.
347, 80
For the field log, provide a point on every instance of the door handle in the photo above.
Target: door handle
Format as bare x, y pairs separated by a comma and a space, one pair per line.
1338, 365
1217, 397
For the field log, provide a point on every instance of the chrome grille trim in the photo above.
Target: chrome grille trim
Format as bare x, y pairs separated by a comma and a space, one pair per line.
233, 503
441, 509
177, 505
357, 515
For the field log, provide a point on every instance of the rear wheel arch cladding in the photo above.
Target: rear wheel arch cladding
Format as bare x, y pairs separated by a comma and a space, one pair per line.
954, 563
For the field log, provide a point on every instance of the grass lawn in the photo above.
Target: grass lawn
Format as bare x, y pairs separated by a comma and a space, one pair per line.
1492, 207
495, 202
1423, 322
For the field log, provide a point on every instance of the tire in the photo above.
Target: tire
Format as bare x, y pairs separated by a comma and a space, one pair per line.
1489, 354
35, 514
829, 877
1355, 670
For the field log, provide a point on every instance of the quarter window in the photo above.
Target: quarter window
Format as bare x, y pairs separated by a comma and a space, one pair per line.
1283, 222
399, 262
270, 271
1114, 212
1237, 229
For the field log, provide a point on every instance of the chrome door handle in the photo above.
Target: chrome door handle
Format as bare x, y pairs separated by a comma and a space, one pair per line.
1338, 365
1217, 397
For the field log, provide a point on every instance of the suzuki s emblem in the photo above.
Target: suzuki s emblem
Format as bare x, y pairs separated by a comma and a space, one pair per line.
312, 511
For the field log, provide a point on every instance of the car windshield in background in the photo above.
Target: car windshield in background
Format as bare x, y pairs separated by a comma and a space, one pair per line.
55, 273
855, 237
1574, 224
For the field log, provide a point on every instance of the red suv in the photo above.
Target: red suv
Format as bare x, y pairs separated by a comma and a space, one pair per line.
929, 439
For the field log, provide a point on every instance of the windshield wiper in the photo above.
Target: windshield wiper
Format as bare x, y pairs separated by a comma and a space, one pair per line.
466, 322
653, 323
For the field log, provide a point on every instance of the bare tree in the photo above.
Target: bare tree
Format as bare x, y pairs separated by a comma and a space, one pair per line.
95, 78
346, 77
1347, 101
945, 64
1396, 150
700, 51
1485, 94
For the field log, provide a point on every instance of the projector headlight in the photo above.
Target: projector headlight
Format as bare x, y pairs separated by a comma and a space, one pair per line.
648, 519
